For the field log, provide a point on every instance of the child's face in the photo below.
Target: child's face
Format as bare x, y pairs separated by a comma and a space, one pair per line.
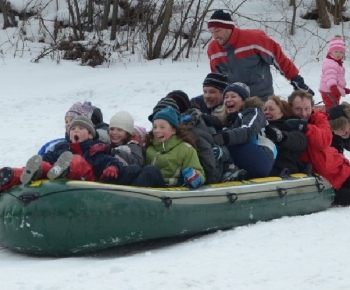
67, 121
343, 132
117, 135
337, 54
162, 130
79, 134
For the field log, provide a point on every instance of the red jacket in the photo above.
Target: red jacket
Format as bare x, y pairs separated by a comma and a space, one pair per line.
247, 57
325, 160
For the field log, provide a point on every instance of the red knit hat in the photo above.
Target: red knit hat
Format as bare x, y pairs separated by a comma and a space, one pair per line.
221, 19
336, 43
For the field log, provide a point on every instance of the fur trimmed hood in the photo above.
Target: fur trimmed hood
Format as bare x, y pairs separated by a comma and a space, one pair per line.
253, 102
339, 116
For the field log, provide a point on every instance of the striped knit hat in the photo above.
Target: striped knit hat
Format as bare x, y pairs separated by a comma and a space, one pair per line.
80, 109
163, 103
216, 80
221, 19
336, 43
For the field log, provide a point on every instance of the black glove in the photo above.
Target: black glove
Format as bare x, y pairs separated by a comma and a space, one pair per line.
221, 138
212, 121
274, 134
298, 84
296, 124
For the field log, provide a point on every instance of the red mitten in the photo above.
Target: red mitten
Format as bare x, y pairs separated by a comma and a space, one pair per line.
347, 91
335, 92
110, 172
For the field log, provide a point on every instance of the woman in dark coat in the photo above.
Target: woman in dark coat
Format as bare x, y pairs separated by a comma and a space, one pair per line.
290, 143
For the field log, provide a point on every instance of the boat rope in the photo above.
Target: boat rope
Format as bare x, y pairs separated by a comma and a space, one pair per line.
29, 196
319, 183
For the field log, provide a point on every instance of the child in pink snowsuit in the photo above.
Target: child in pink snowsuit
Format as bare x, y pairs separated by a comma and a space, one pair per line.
333, 84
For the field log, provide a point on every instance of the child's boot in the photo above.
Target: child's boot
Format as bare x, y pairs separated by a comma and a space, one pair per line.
61, 167
233, 173
9, 177
33, 169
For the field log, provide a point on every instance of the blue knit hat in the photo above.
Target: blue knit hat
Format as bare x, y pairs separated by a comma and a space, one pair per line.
239, 88
167, 114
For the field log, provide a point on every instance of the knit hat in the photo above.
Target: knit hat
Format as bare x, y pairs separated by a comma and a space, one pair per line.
122, 120
336, 43
163, 103
85, 123
239, 88
216, 80
168, 114
221, 19
97, 116
80, 109
142, 131
337, 117
182, 100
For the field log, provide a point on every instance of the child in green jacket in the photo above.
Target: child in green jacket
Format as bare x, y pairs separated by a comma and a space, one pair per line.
170, 149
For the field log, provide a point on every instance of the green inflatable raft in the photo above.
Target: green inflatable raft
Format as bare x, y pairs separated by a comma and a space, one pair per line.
64, 218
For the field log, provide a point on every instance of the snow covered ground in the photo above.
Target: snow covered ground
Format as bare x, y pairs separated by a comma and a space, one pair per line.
306, 252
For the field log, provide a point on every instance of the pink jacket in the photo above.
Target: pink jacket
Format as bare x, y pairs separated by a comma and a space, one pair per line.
332, 74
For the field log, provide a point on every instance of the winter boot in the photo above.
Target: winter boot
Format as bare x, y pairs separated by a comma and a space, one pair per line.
233, 173
33, 169
80, 169
9, 177
61, 167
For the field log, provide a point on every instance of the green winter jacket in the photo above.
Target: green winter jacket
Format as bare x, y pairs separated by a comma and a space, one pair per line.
171, 157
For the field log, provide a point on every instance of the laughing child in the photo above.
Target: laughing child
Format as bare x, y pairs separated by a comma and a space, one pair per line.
171, 150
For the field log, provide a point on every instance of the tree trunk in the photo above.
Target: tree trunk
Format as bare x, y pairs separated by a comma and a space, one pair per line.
9, 18
323, 18
90, 15
292, 27
79, 23
107, 8
71, 14
164, 30
114, 19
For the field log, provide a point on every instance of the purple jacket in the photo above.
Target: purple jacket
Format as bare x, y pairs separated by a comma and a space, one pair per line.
332, 74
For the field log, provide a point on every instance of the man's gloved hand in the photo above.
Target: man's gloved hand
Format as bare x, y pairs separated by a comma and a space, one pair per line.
191, 177
111, 172
335, 92
221, 138
212, 121
274, 134
217, 152
347, 91
296, 124
298, 84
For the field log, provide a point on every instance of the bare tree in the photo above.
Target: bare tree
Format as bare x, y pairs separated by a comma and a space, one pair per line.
323, 18
7, 12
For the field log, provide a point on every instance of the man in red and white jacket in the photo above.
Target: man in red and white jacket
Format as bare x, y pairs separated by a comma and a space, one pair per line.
245, 55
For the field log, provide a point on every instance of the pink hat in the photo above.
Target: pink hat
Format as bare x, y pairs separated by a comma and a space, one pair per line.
336, 43
142, 131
